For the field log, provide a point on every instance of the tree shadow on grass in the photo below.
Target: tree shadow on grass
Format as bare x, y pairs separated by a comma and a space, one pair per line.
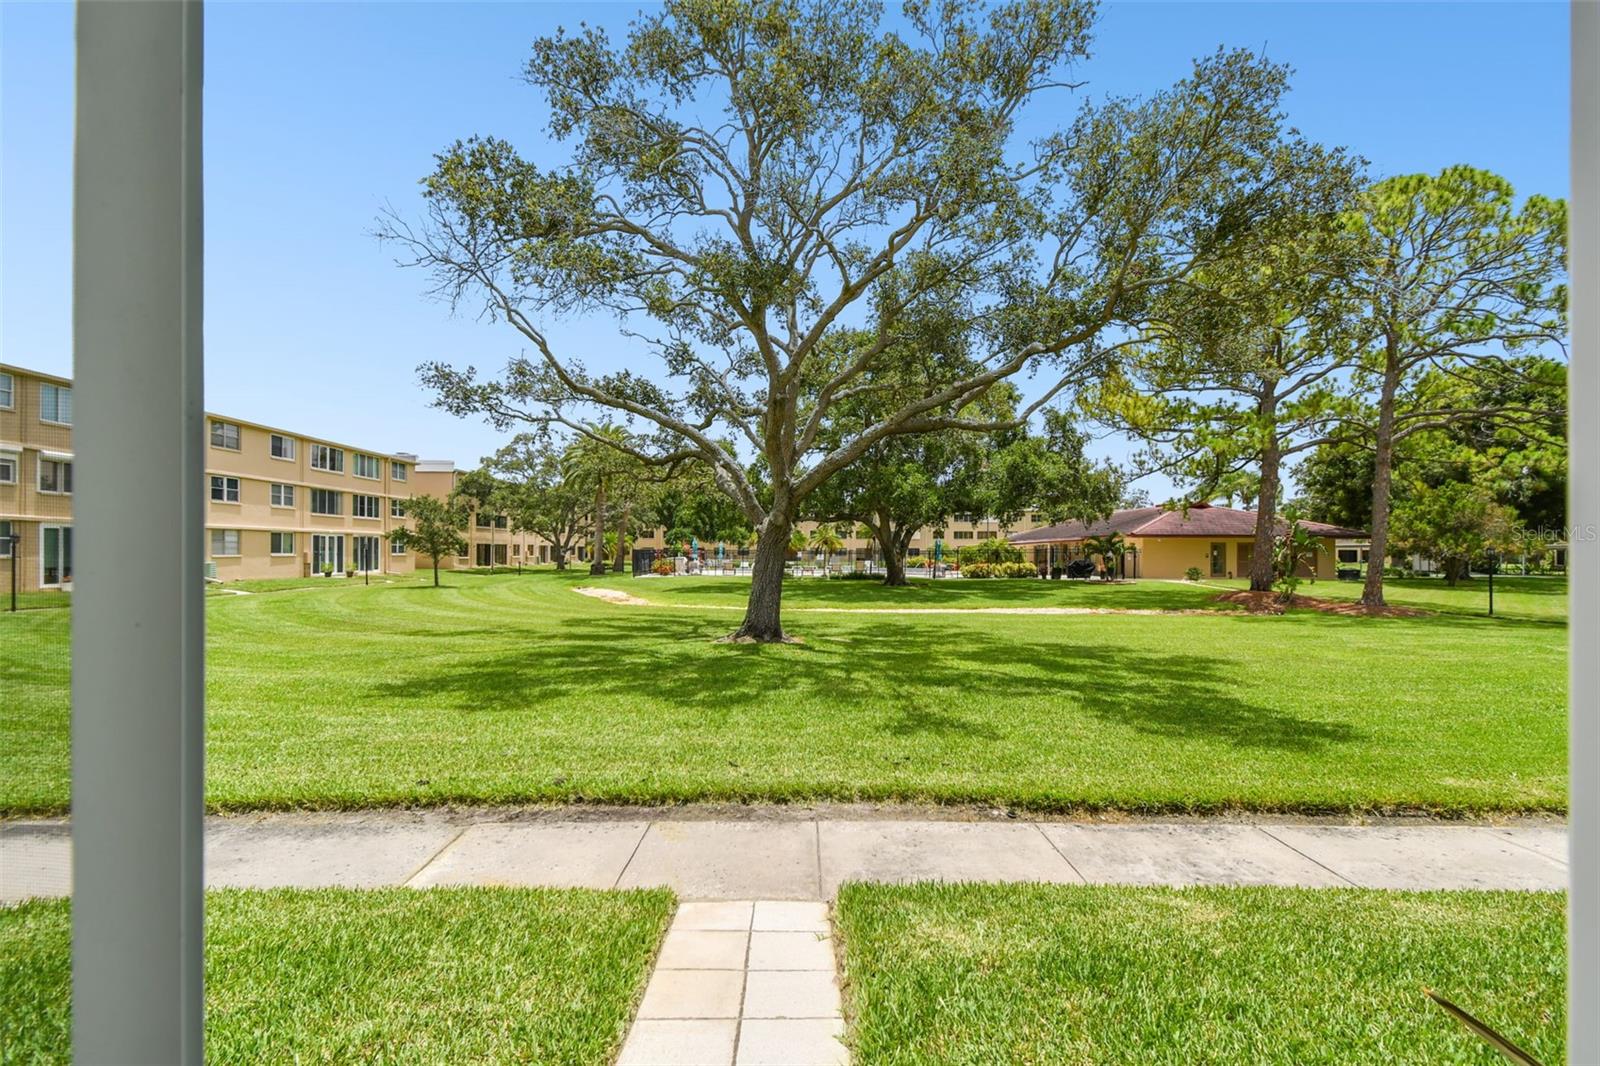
925, 593
978, 686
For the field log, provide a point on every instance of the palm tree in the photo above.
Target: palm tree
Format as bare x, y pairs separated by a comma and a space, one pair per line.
1110, 547
826, 539
593, 460
1297, 546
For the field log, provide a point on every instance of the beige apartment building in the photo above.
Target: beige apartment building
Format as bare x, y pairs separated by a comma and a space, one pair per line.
284, 504
35, 479
279, 503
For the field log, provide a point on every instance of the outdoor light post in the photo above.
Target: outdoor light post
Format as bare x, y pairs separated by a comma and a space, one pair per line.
1494, 564
13, 546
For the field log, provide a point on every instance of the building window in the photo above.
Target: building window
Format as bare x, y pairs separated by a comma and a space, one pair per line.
8, 467
963, 534
397, 470
282, 447
365, 506
225, 489
397, 508
8, 391
326, 458
225, 435
326, 501
397, 547
283, 495
55, 404
366, 466
5, 540
224, 542
55, 476
283, 544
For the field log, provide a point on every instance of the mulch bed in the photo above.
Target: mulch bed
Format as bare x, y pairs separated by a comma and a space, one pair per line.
1271, 603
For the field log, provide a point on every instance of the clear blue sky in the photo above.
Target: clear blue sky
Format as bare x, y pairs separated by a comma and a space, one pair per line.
317, 115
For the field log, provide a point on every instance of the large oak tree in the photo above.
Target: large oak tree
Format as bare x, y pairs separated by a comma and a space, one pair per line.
739, 179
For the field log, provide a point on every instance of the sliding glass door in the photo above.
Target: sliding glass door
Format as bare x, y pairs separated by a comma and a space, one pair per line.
55, 556
367, 554
327, 550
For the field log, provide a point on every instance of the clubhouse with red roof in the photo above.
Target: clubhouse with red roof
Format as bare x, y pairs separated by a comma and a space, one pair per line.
1167, 542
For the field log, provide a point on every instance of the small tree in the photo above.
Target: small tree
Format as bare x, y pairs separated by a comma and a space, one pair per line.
435, 531
481, 493
1452, 524
1297, 547
539, 496
1110, 547
825, 539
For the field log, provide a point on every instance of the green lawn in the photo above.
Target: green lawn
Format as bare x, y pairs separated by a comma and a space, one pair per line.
393, 976
979, 974
503, 689
41, 599
1529, 599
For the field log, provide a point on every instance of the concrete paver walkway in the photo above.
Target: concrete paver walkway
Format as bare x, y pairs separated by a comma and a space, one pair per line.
785, 857
742, 983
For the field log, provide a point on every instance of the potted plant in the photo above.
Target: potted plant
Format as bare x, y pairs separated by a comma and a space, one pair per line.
327, 569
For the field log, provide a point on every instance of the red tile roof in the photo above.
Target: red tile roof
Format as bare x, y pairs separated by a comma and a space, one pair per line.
1198, 520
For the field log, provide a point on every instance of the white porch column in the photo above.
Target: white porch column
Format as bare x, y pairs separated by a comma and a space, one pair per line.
1583, 553
138, 623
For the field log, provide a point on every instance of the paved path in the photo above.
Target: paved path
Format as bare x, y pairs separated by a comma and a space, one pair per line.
785, 857
742, 983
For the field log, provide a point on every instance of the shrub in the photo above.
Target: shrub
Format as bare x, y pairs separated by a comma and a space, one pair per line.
993, 550
978, 570
1193, 573
1015, 569
662, 565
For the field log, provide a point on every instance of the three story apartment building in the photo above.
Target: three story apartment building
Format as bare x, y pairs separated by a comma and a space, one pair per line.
279, 503
284, 504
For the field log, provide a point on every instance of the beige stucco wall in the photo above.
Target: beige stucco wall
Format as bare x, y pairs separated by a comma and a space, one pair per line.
256, 518
24, 435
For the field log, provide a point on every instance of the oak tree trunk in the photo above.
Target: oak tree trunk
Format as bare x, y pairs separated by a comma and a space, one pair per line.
894, 563
762, 623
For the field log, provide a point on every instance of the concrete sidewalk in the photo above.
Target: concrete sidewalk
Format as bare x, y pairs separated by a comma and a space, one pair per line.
784, 857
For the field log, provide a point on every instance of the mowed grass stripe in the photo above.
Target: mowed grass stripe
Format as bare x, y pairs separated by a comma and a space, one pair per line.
963, 975
516, 689
393, 975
